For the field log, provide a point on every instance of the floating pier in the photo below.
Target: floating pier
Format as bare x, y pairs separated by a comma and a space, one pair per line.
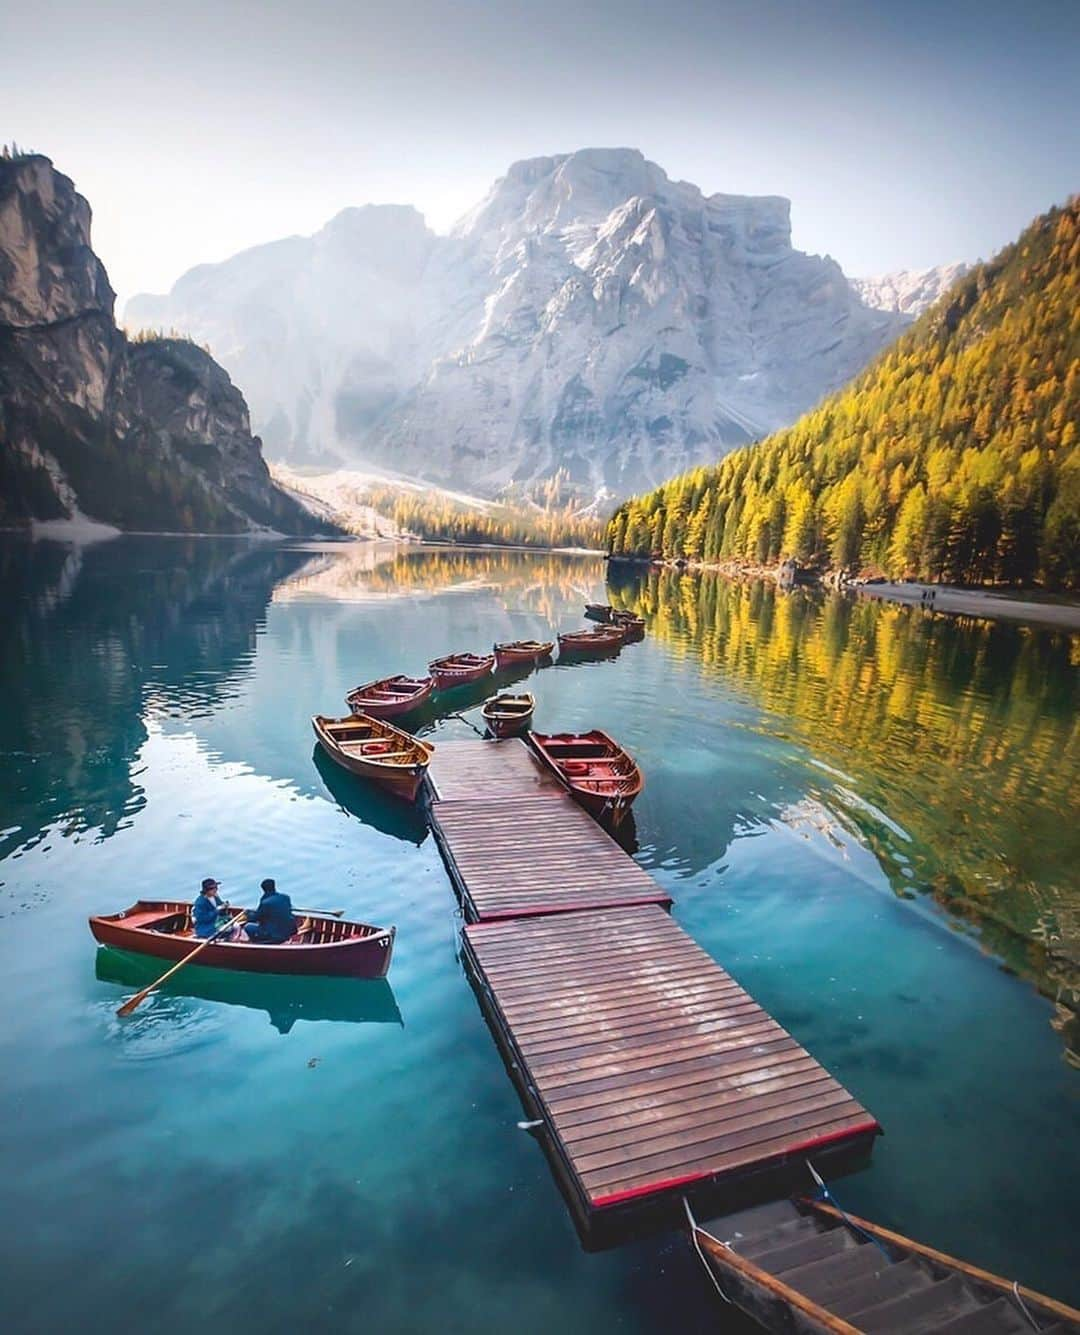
654, 1073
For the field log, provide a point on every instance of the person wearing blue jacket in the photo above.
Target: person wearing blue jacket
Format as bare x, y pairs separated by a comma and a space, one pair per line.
206, 909
272, 922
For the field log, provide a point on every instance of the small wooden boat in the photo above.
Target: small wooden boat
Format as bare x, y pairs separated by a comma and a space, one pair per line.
804, 1267
323, 946
460, 669
514, 652
602, 639
599, 773
631, 624
390, 696
508, 715
375, 750
598, 611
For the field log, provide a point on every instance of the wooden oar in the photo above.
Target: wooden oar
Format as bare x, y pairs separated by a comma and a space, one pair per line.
140, 997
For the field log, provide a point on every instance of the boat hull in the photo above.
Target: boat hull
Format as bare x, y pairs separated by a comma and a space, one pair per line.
608, 779
505, 720
402, 781
598, 612
506, 657
361, 957
447, 676
577, 645
360, 703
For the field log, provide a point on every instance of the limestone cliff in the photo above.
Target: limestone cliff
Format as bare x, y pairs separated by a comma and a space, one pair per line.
150, 435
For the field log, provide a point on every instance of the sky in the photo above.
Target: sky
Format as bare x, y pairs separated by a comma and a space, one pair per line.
905, 134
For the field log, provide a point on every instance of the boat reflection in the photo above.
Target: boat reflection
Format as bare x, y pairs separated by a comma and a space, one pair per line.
369, 804
285, 1000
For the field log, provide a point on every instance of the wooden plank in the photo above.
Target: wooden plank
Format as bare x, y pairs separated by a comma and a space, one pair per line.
652, 1067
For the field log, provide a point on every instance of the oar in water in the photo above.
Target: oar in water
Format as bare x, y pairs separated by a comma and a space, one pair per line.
140, 997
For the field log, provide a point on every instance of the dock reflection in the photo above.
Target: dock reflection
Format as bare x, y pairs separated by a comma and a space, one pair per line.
285, 1000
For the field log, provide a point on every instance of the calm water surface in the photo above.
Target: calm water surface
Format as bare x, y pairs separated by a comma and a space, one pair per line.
251, 1155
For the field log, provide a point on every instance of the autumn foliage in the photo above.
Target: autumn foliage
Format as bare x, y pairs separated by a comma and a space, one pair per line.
953, 456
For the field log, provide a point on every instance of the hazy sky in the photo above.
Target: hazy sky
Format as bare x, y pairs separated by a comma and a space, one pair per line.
905, 134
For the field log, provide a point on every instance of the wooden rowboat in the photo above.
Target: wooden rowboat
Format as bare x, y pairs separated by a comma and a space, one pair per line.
598, 611
599, 641
631, 624
327, 947
508, 715
460, 669
804, 1267
514, 652
599, 773
390, 696
375, 750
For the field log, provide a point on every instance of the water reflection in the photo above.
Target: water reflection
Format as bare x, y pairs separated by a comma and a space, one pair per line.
963, 731
285, 1000
97, 637
387, 814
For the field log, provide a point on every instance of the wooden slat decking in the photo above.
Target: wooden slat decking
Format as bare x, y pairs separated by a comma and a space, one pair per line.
652, 1067
517, 844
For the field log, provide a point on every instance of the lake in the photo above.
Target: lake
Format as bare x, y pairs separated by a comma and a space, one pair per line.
866, 813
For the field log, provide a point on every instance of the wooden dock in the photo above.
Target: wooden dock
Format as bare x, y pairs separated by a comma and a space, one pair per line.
652, 1070
516, 843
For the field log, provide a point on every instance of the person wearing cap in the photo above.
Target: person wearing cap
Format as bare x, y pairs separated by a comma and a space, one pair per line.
207, 907
272, 922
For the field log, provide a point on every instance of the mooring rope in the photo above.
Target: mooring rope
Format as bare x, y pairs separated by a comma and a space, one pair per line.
694, 1230
1023, 1305
826, 1194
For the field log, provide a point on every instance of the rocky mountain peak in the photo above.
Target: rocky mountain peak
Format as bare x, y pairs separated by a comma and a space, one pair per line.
589, 314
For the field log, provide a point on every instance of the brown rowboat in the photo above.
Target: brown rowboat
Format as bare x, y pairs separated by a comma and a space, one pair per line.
508, 715
514, 652
460, 669
598, 611
390, 696
599, 773
328, 947
375, 750
597, 641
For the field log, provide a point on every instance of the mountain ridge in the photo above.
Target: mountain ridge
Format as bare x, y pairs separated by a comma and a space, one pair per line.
147, 434
588, 316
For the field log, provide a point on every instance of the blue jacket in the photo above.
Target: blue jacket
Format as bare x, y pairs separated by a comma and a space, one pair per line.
204, 915
274, 916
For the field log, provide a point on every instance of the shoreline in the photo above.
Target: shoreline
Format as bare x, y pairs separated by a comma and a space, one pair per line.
952, 599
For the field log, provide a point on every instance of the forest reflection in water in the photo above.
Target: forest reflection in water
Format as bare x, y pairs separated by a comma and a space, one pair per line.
959, 735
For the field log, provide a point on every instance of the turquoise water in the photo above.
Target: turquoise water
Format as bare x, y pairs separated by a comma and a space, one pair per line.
257, 1155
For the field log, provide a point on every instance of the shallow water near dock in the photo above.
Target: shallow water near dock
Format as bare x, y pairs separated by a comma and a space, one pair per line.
861, 811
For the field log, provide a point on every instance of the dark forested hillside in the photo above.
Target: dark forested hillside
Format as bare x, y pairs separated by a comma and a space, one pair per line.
953, 456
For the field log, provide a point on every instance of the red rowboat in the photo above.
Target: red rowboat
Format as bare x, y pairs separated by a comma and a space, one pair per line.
632, 625
514, 652
375, 750
508, 715
599, 773
601, 640
329, 947
390, 696
460, 669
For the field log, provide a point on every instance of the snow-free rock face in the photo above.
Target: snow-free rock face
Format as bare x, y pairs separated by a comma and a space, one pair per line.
151, 435
589, 315
908, 291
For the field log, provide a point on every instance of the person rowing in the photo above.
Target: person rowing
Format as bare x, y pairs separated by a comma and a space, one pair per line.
272, 922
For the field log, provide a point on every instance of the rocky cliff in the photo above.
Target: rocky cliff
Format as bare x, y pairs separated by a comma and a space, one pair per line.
908, 291
589, 315
150, 435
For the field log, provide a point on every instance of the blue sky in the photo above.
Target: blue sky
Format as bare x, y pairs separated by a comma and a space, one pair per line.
904, 134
